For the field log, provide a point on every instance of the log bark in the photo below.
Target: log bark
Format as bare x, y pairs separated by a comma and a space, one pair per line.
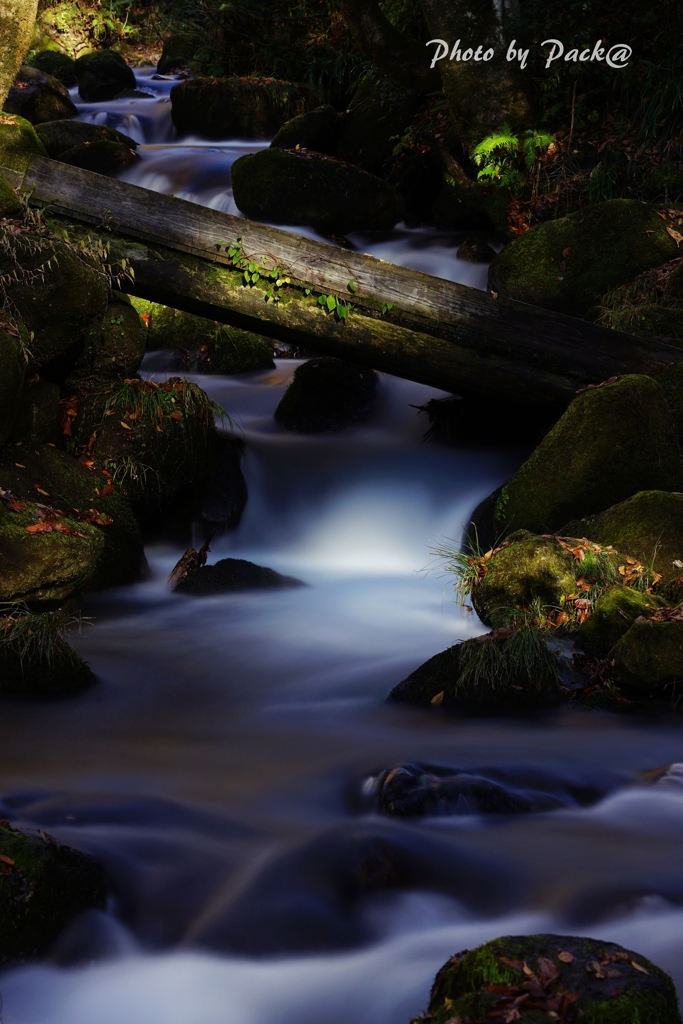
435, 332
17, 18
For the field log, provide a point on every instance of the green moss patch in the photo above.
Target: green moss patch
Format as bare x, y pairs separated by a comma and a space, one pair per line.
615, 612
18, 142
648, 659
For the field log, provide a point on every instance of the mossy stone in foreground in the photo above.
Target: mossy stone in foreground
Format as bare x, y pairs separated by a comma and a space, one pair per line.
60, 136
326, 394
18, 142
648, 526
10, 206
612, 442
648, 659
528, 567
39, 97
43, 885
568, 264
615, 612
573, 979
113, 348
283, 187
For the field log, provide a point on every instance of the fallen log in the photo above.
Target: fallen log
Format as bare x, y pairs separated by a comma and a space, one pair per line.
391, 318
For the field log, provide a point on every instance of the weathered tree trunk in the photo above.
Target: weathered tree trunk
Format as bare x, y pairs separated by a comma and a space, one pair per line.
403, 322
17, 18
398, 57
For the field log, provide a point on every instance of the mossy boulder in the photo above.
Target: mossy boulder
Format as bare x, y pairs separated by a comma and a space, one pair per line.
571, 978
113, 555
38, 97
103, 157
648, 526
102, 76
316, 129
12, 370
18, 142
326, 394
10, 206
472, 207
246, 108
44, 566
60, 136
612, 442
113, 348
568, 264
59, 65
615, 612
235, 351
648, 659
528, 567
36, 657
334, 197
74, 27
173, 328
437, 676
60, 292
43, 886
152, 438
379, 113
38, 415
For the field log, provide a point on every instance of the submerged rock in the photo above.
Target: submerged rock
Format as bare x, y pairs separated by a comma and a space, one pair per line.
294, 187
43, 886
102, 75
59, 65
39, 97
535, 976
612, 442
648, 526
326, 394
245, 108
648, 659
316, 129
568, 264
231, 574
614, 613
18, 142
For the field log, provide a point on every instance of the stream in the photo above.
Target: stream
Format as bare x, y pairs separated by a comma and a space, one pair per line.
227, 766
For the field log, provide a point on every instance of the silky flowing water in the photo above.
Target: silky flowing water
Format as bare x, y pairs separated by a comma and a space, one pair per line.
224, 767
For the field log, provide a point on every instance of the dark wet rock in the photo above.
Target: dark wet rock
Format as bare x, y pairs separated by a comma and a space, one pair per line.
232, 574
312, 898
472, 208
499, 671
59, 65
59, 137
326, 394
612, 442
293, 187
56, 304
36, 658
379, 113
648, 659
579, 978
113, 348
411, 790
457, 420
102, 75
648, 526
177, 50
476, 250
43, 886
670, 379
51, 565
18, 142
316, 129
38, 97
10, 205
12, 371
480, 532
38, 415
614, 613
102, 157
234, 351
225, 108
568, 264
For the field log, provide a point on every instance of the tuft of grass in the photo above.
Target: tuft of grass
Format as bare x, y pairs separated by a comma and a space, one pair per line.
39, 638
146, 401
520, 659
466, 568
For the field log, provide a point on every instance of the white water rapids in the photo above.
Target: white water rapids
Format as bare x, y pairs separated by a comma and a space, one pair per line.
210, 766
